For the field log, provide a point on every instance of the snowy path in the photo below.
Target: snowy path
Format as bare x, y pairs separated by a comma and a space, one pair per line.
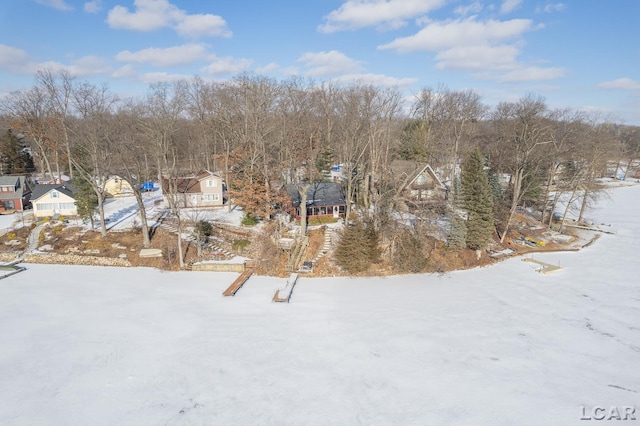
503, 345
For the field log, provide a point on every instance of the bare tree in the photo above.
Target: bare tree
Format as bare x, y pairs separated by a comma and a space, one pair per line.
131, 159
28, 111
522, 128
60, 89
92, 151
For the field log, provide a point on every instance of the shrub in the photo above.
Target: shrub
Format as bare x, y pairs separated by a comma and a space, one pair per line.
240, 245
408, 254
249, 220
11, 236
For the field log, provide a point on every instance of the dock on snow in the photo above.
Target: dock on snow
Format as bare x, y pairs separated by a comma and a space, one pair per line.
239, 282
546, 268
284, 294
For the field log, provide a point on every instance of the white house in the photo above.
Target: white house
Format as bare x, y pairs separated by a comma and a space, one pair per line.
54, 199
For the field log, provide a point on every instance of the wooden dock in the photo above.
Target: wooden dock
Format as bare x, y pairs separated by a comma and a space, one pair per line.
284, 294
239, 282
546, 268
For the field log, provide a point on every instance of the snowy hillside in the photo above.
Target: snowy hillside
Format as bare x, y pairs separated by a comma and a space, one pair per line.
503, 345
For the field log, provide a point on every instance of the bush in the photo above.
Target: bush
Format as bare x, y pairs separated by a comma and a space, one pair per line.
11, 236
239, 245
408, 254
249, 220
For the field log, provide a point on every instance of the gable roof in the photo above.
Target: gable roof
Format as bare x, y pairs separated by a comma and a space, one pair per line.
319, 194
189, 184
405, 172
8, 180
13, 180
40, 190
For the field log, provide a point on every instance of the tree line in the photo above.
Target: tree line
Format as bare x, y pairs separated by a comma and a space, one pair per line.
260, 133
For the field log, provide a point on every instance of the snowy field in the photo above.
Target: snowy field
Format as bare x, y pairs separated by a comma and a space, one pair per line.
502, 345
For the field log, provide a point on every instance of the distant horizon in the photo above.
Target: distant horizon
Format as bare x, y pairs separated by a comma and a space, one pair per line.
578, 54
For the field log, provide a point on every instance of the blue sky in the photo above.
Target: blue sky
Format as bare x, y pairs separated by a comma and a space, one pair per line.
583, 54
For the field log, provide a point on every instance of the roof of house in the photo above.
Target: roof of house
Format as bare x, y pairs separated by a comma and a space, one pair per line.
189, 184
319, 194
40, 190
405, 172
12, 180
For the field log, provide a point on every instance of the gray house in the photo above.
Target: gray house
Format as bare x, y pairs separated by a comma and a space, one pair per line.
15, 193
324, 199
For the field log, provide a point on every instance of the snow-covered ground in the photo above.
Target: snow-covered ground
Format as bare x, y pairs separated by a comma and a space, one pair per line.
502, 345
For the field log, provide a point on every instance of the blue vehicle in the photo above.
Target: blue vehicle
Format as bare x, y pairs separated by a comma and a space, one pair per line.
147, 186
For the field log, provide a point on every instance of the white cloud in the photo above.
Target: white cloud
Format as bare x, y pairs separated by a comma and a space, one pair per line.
470, 9
624, 83
460, 32
478, 57
159, 77
93, 6
56, 4
227, 65
268, 69
166, 57
387, 14
13, 59
202, 26
329, 63
509, 6
485, 47
85, 66
18, 61
125, 71
150, 15
376, 80
532, 74
291, 71
553, 7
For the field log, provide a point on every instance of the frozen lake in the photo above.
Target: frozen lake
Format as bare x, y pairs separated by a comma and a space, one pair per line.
502, 345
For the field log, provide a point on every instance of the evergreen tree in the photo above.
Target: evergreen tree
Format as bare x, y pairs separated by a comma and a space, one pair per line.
14, 157
456, 240
86, 200
477, 199
358, 247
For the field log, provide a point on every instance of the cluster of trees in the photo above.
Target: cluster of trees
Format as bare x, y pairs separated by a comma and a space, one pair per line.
261, 133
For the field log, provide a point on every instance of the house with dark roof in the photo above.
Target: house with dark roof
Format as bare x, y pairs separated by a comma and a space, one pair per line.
15, 193
53, 199
205, 189
417, 181
324, 199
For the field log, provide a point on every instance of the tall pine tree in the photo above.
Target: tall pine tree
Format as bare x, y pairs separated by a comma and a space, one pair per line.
477, 202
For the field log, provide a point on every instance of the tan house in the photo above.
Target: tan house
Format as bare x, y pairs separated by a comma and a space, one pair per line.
418, 181
205, 189
52, 200
115, 186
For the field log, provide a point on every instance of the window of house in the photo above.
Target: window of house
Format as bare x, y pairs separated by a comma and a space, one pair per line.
55, 194
44, 206
210, 197
421, 179
211, 183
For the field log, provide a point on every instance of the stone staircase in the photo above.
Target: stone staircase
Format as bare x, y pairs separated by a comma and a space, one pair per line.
214, 249
329, 236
